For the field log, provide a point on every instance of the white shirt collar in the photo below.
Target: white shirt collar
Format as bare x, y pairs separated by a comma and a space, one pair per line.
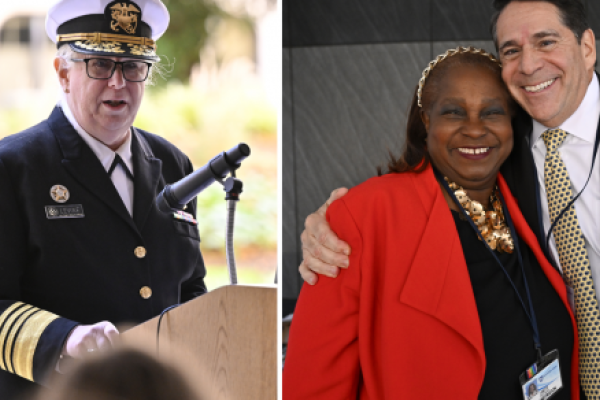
584, 121
103, 152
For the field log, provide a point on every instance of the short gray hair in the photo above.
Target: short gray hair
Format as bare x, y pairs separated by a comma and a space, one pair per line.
64, 54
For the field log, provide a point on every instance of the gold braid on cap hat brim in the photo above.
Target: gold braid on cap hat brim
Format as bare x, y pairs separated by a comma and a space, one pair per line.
98, 37
442, 57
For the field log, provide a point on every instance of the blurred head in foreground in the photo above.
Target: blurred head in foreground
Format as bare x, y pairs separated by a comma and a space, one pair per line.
122, 375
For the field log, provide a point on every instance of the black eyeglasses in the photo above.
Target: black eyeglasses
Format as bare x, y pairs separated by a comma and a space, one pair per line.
104, 68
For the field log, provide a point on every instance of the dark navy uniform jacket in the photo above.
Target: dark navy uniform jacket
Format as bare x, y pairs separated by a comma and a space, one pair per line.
56, 273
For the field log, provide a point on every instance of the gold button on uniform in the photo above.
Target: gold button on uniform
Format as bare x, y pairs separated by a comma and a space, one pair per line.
140, 252
145, 292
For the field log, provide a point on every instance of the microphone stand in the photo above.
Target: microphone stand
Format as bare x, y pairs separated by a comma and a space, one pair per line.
174, 197
233, 187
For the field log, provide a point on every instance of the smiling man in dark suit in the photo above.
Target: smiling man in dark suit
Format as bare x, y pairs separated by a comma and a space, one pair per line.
548, 54
82, 243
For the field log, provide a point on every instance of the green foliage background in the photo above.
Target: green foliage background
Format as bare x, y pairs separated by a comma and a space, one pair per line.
188, 33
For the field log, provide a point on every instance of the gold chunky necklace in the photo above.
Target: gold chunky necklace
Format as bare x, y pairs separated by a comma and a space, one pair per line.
491, 224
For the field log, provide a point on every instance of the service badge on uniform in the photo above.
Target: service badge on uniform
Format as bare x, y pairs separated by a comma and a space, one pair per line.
59, 193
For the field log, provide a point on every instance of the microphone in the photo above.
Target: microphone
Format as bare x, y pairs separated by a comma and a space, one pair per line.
174, 197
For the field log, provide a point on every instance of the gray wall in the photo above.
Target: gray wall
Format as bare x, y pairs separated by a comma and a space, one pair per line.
349, 70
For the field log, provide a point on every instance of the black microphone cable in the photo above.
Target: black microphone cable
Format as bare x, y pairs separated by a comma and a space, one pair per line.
162, 314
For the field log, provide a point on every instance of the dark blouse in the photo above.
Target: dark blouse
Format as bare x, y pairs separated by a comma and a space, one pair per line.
507, 332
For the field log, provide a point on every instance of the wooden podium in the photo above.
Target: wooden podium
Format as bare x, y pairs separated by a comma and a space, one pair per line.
229, 334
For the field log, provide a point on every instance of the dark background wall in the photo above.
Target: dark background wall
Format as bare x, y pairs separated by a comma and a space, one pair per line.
349, 71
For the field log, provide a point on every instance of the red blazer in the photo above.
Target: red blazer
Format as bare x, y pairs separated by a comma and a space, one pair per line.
404, 310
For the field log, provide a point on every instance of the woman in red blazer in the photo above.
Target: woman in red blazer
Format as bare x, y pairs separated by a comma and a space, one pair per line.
427, 309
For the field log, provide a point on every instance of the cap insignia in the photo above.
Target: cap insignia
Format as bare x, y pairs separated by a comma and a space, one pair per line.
124, 17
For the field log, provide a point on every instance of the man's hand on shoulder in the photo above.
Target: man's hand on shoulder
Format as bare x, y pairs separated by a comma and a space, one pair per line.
323, 252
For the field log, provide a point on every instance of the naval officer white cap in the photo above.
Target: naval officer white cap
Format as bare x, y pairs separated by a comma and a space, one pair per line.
121, 28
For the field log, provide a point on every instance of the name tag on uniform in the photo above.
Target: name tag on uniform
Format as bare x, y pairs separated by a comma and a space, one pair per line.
542, 380
64, 211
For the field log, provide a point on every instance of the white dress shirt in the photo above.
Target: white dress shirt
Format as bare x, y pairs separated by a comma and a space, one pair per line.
576, 152
122, 183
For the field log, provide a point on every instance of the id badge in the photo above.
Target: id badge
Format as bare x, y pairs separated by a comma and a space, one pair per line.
542, 380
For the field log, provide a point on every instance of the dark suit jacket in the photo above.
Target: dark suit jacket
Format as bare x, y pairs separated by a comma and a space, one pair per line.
343, 340
520, 173
56, 273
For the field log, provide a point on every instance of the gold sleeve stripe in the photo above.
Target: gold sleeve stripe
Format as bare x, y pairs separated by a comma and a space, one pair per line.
4, 327
10, 339
27, 341
21, 326
6, 321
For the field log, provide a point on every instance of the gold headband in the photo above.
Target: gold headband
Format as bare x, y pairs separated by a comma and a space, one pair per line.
442, 57
106, 37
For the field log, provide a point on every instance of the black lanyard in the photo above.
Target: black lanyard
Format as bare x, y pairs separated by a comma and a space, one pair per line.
553, 224
531, 313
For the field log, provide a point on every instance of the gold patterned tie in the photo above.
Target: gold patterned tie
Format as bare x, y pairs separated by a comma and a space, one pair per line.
574, 261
